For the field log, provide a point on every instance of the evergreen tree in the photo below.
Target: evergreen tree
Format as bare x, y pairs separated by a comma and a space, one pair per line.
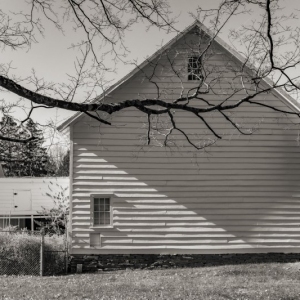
23, 159
10, 152
36, 154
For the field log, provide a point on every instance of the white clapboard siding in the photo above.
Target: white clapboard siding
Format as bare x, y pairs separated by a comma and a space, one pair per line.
240, 195
41, 191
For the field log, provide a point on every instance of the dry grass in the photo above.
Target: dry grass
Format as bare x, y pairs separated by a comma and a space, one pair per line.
246, 281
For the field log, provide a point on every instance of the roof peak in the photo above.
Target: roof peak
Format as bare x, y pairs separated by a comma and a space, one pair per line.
235, 54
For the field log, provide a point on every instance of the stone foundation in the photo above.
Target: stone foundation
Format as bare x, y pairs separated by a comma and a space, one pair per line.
93, 263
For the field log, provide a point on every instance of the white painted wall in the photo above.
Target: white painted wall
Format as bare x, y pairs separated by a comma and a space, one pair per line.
241, 195
27, 195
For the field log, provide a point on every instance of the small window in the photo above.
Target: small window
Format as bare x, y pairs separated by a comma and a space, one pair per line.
102, 211
194, 68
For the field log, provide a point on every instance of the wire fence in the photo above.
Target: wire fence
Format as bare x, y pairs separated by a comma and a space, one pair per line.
32, 253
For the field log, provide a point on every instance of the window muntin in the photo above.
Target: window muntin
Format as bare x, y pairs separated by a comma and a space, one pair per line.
102, 211
194, 68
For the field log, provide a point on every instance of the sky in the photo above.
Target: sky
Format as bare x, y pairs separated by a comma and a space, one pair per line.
52, 59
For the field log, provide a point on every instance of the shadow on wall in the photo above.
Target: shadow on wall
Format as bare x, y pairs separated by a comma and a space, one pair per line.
164, 202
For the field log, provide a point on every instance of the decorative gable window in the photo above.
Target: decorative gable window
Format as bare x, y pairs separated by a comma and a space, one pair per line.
102, 211
194, 68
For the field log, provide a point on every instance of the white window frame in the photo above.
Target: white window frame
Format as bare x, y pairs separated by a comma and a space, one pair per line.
92, 197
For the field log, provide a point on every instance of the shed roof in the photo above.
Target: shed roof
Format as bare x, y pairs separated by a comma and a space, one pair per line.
284, 96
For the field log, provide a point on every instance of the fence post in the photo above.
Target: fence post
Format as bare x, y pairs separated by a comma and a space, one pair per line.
66, 262
42, 255
66, 245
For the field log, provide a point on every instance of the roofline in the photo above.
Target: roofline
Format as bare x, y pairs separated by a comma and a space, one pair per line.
156, 54
292, 103
283, 95
32, 178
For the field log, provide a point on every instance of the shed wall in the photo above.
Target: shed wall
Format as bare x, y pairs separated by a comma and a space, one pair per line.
41, 190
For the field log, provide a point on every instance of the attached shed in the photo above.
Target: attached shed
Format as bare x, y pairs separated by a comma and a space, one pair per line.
21, 199
240, 194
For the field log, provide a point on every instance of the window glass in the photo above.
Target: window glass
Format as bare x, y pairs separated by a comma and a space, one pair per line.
102, 211
194, 68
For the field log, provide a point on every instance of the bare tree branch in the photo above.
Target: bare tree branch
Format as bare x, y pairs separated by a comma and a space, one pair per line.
263, 41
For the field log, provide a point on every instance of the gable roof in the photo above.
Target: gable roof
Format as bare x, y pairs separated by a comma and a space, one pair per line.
284, 96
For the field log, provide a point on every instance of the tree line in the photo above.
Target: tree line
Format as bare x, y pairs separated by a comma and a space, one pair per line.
31, 158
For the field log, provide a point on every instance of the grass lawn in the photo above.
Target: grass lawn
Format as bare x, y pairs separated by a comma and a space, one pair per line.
245, 281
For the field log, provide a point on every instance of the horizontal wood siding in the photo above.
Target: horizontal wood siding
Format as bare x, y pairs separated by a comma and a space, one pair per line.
41, 190
239, 195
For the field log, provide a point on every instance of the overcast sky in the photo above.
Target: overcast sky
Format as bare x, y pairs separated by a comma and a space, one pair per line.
52, 59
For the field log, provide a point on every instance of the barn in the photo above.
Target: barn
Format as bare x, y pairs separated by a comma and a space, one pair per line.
23, 198
237, 195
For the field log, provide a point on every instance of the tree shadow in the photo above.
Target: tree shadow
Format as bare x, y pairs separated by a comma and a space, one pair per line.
164, 205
